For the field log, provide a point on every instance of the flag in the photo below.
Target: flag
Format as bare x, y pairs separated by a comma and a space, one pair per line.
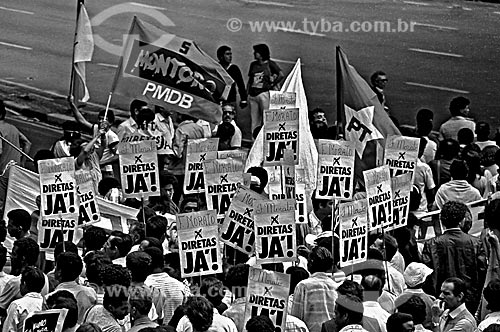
308, 154
172, 72
83, 48
365, 120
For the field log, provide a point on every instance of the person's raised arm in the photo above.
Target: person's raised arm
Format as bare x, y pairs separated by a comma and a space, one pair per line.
78, 115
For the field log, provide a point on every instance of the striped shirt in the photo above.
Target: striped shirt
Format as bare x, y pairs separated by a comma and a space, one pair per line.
173, 292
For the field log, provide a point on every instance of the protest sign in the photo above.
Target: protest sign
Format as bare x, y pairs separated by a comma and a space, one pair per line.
282, 100
243, 154
401, 154
237, 230
379, 195
267, 295
222, 177
197, 151
401, 189
353, 232
275, 230
59, 202
45, 321
139, 169
335, 169
89, 209
161, 139
300, 197
281, 131
199, 243
281, 183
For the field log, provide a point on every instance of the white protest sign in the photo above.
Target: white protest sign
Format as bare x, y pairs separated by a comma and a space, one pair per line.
335, 169
282, 100
222, 177
300, 197
151, 133
275, 231
353, 232
242, 154
237, 230
281, 132
401, 189
139, 169
197, 151
199, 243
401, 154
379, 196
267, 295
89, 209
281, 184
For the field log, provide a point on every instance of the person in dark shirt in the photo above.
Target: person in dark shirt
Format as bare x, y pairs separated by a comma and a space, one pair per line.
225, 56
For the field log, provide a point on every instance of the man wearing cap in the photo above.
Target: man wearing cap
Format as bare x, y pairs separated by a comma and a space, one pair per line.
415, 275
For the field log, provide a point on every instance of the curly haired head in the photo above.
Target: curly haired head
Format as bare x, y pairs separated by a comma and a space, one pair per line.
200, 313
113, 274
414, 306
237, 278
453, 213
260, 323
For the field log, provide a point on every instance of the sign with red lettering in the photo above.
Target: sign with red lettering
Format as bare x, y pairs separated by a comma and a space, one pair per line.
197, 151
401, 154
379, 195
281, 132
353, 232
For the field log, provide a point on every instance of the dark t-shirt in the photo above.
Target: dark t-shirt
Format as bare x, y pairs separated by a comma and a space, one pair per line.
260, 76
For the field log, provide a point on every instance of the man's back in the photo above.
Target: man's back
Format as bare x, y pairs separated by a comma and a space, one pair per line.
172, 290
458, 191
85, 296
10, 133
450, 128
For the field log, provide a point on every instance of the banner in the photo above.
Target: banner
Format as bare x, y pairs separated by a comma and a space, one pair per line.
89, 210
237, 230
301, 216
59, 202
379, 196
281, 132
353, 232
282, 100
222, 177
275, 231
199, 243
197, 151
401, 189
401, 154
45, 321
281, 183
139, 169
335, 169
267, 295
172, 72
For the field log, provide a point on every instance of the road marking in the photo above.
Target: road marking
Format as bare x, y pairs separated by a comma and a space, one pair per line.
147, 6
417, 3
16, 46
442, 88
17, 10
440, 27
107, 65
286, 61
436, 53
498, 13
300, 32
42, 97
269, 3
459, 7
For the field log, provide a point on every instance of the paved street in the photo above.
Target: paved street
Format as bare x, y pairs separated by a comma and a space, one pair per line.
453, 49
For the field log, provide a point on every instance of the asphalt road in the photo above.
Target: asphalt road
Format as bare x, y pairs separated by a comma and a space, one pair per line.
453, 49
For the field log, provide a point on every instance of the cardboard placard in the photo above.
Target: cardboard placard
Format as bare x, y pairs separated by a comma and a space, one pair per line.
281, 132
301, 216
401, 154
45, 321
89, 209
379, 196
281, 183
401, 189
353, 232
282, 100
197, 151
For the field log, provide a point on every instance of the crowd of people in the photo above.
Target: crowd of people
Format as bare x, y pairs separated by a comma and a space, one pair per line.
114, 281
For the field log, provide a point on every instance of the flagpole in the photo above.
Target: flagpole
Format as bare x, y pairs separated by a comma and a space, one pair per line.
16, 148
340, 96
72, 77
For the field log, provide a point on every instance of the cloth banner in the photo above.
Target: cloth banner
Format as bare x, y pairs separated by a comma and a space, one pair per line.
222, 177
197, 151
172, 72
401, 154
353, 232
281, 132
45, 321
267, 295
275, 231
379, 196
199, 243
89, 209
139, 169
335, 169
401, 189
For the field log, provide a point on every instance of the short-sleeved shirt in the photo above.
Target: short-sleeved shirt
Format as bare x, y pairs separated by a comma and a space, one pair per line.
10, 133
423, 180
12, 291
20, 309
102, 317
450, 128
260, 76
111, 138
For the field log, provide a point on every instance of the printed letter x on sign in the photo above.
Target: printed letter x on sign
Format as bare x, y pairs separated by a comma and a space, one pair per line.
247, 212
138, 159
379, 188
197, 234
223, 178
336, 161
268, 291
401, 155
281, 126
397, 194
202, 156
355, 222
58, 177
275, 219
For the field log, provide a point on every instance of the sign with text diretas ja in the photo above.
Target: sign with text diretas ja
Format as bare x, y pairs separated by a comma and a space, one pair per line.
89, 209
198, 151
267, 295
379, 196
59, 201
353, 232
281, 132
237, 230
139, 169
401, 154
401, 189
222, 177
275, 231
335, 169
199, 243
